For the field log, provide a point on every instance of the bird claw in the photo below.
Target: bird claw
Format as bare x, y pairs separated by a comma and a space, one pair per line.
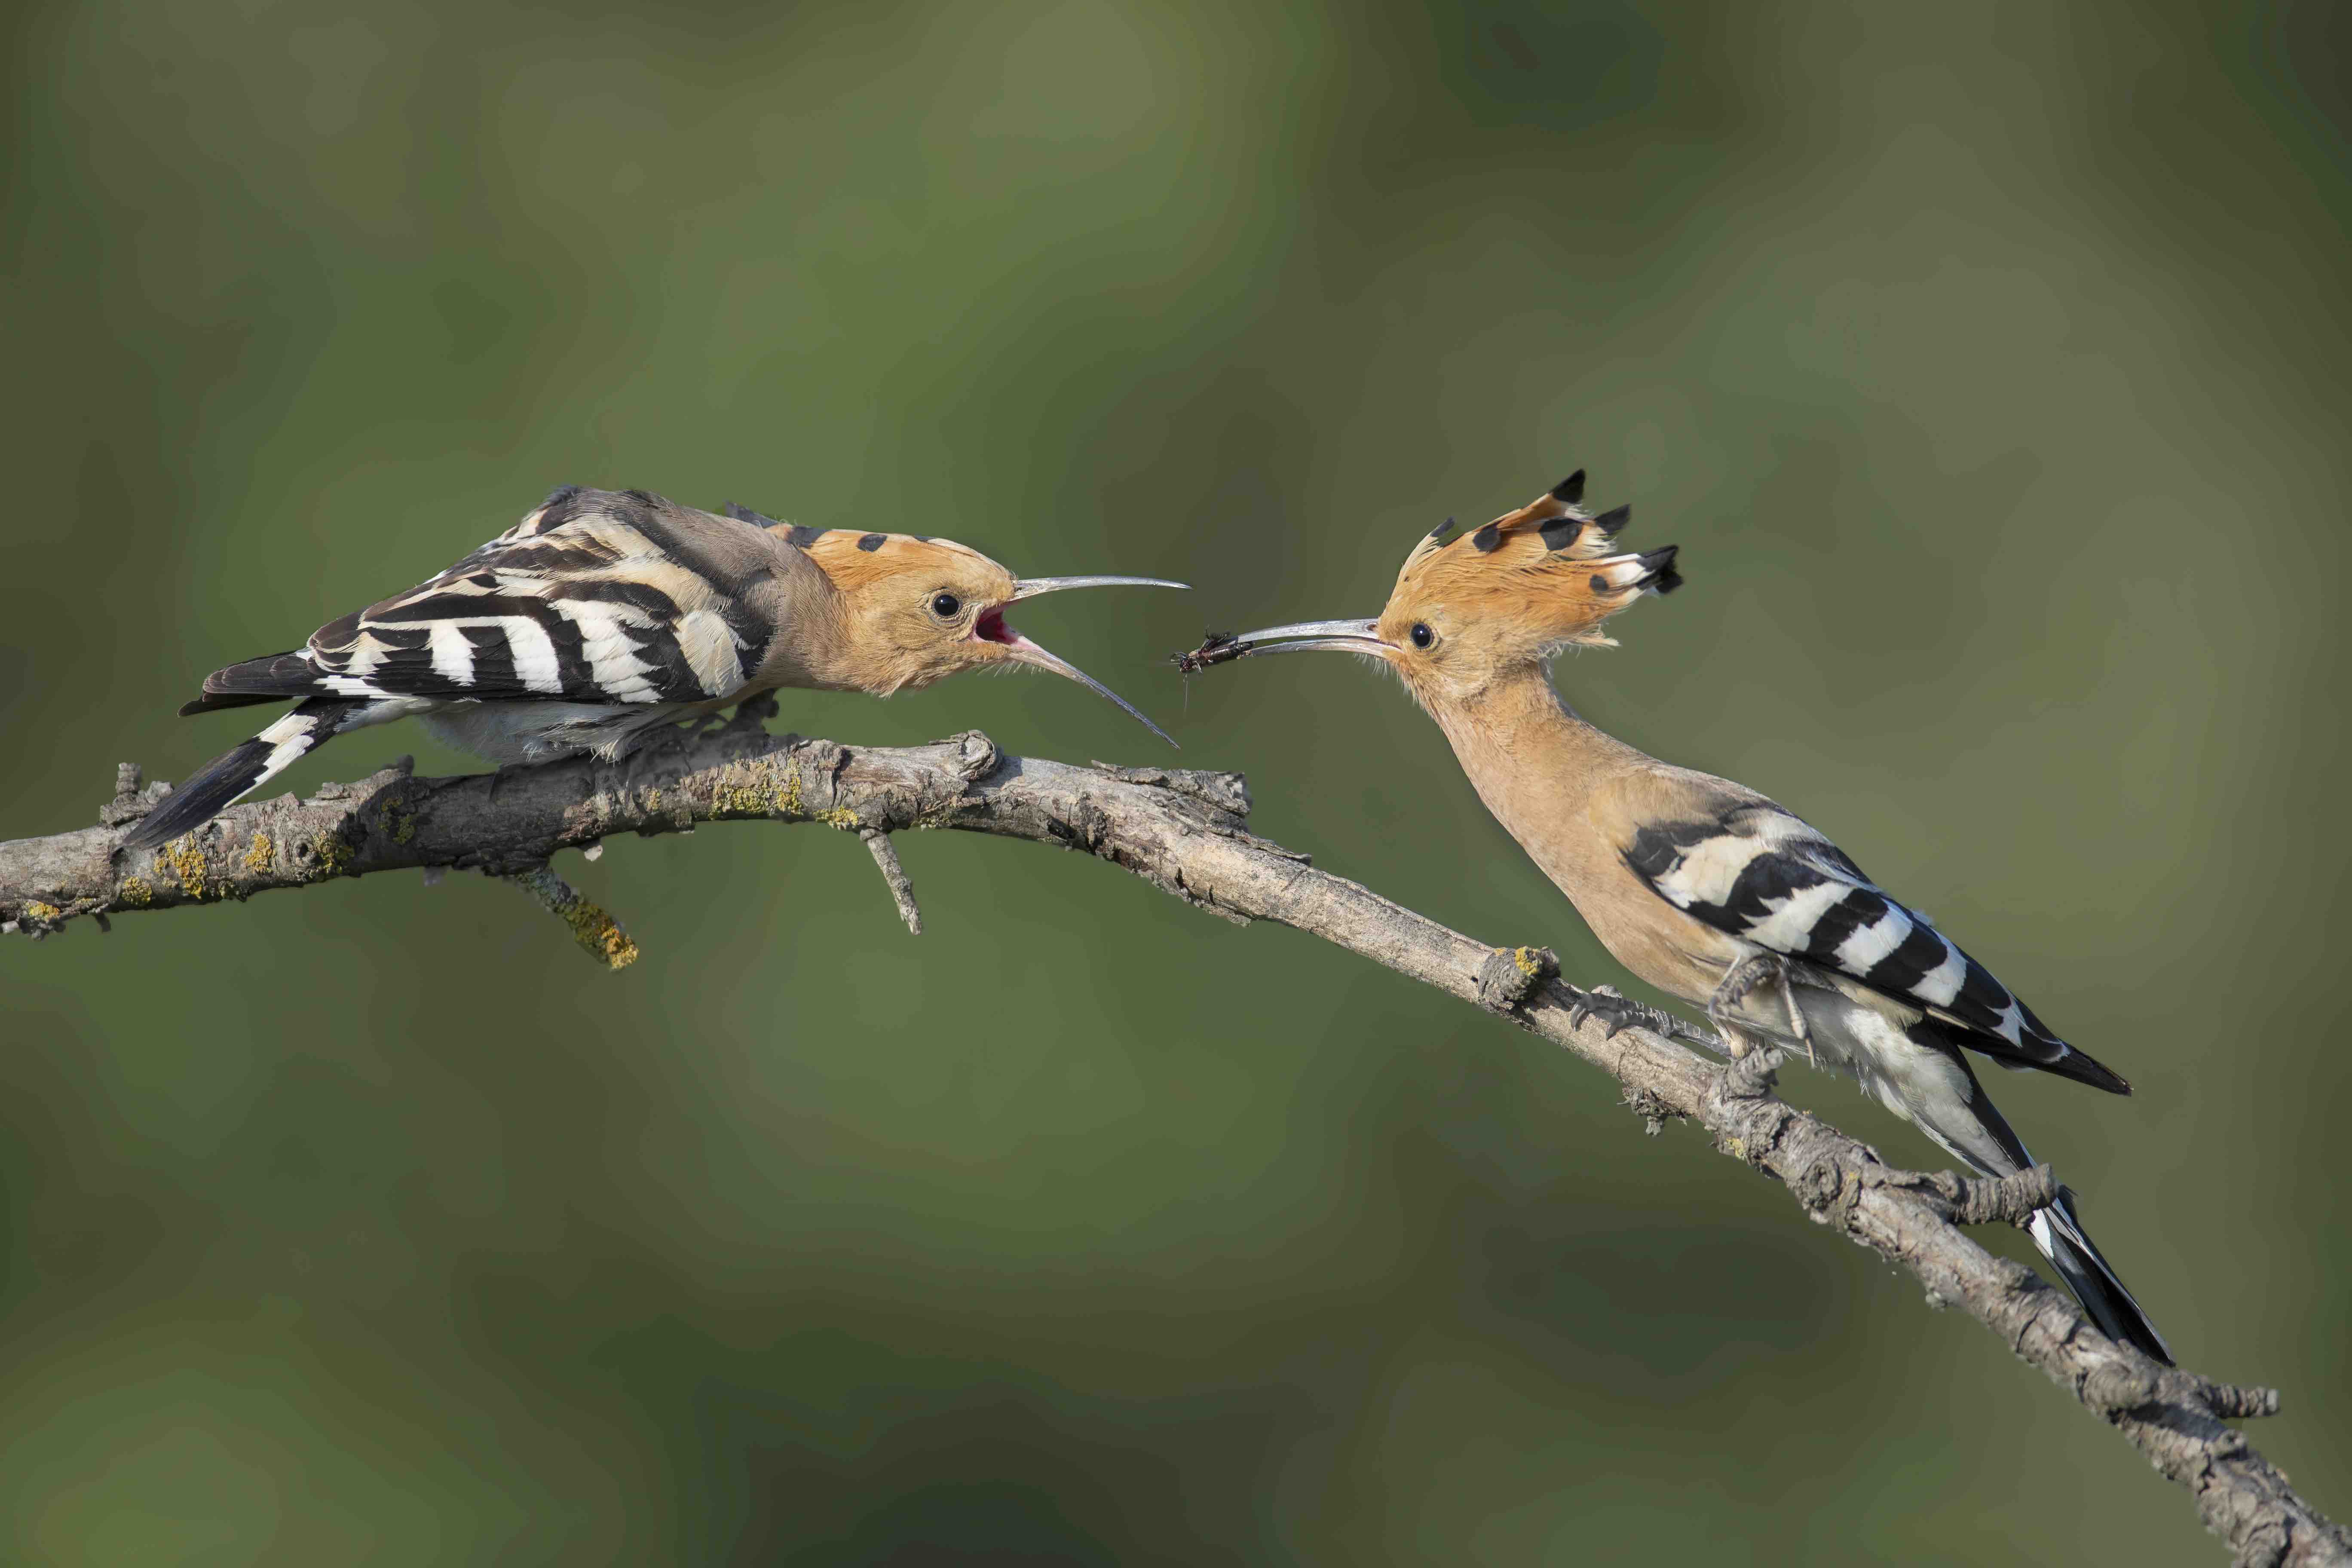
1751, 974
1615, 1012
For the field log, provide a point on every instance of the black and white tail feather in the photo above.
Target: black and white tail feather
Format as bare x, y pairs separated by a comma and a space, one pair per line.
599, 616
1757, 873
2057, 1230
235, 774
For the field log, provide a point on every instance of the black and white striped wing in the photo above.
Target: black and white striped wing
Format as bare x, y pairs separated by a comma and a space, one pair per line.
596, 598
1757, 873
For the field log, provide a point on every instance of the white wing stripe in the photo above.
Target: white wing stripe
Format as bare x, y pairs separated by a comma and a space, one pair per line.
1860, 953
1789, 926
1707, 871
534, 654
613, 661
708, 645
453, 656
1943, 983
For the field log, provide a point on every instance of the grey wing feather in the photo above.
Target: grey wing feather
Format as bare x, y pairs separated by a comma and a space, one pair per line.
1755, 872
597, 596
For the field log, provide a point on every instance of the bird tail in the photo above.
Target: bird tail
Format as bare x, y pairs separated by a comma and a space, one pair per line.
2058, 1232
1992, 1146
234, 774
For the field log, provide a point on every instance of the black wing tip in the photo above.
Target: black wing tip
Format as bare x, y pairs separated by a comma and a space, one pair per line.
1569, 489
214, 702
271, 677
2084, 1068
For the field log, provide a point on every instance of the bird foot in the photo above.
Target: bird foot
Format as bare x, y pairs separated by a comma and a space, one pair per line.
1745, 978
1615, 1012
1757, 972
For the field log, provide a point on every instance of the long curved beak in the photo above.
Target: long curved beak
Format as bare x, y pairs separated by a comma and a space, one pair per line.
1030, 587
1333, 637
1018, 646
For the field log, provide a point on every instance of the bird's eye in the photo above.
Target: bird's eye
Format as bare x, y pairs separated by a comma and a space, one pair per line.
946, 605
1421, 634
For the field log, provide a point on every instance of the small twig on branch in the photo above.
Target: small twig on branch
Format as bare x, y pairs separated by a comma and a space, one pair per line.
902, 891
1512, 974
600, 936
1187, 833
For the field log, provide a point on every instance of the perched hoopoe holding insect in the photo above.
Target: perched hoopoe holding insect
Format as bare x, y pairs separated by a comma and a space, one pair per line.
1704, 889
604, 614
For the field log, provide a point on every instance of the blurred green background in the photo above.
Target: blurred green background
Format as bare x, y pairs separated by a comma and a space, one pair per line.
1989, 367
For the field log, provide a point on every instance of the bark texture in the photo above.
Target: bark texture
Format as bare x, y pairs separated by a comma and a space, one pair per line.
1187, 833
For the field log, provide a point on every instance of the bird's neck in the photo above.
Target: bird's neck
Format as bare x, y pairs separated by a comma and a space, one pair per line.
827, 649
1532, 759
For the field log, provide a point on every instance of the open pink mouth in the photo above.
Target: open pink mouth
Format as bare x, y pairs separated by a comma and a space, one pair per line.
992, 629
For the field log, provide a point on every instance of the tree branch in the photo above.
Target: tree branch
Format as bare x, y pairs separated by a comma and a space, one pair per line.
1186, 834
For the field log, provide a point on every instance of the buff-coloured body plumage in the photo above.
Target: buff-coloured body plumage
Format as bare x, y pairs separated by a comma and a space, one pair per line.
1701, 887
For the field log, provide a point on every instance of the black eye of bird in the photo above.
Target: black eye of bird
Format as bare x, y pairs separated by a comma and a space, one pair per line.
1421, 635
946, 605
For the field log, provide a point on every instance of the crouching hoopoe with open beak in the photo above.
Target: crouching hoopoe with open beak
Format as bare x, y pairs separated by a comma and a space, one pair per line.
1704, 889
606, 615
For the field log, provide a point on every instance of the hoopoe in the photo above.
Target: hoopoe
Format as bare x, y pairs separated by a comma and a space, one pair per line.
1701, 887
604, 614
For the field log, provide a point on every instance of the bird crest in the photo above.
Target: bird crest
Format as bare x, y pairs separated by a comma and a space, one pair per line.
854, 558
1549, 559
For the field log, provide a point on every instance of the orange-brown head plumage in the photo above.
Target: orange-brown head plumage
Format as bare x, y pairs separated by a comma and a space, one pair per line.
918, 608
1470, 606
911, 609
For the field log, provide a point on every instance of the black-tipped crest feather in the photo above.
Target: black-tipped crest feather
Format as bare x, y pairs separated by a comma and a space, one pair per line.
1659, 564
1562, 531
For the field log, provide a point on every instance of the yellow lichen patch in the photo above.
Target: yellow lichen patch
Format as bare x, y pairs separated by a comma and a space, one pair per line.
256, 856
399, 823
330, 855
187, 863
138, 892
753, 789
600, 936
1524, 957
47, 914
